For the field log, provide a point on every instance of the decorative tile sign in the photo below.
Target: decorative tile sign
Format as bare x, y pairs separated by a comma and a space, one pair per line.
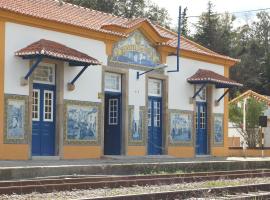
218, 129
16, 119
181, 126
135, 50
136, 126
81, 123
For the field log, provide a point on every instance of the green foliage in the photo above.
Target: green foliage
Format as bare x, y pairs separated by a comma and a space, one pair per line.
128, 9
254, 109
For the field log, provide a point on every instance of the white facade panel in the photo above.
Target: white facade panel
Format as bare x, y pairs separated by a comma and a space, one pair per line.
136, 89
19, 36
180, 91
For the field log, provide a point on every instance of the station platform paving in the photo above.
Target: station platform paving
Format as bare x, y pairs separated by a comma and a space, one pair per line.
122, 165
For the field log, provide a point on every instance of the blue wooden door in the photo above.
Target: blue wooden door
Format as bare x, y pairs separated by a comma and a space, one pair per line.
201, 128
112, 128
154, 125
43, 119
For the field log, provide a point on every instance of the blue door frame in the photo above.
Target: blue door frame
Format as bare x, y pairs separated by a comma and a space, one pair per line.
154, 125
43, 132
113, 123
201, 128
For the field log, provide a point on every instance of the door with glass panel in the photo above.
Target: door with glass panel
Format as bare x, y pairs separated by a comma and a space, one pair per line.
201, 128
154, 117
201, 122
43, 110
112, 114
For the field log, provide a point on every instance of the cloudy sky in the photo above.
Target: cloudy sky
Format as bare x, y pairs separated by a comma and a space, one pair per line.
196, 7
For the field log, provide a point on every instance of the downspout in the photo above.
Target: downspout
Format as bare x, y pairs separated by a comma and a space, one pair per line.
178, 41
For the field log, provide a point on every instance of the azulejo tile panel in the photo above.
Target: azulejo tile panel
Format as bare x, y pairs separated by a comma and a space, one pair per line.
218, 133
16, 119
181, 127
137, 124
135, 50
82, 122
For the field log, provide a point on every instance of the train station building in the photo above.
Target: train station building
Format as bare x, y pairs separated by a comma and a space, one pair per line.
77, 83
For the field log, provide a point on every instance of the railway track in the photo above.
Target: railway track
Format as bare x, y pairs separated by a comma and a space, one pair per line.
258, 192
45, 185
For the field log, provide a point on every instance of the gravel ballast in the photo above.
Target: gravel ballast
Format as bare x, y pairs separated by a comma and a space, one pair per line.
91, 193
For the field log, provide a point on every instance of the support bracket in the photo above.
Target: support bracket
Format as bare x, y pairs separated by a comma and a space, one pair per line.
24, 80
222, 96
198, 92
139, 74
71, 85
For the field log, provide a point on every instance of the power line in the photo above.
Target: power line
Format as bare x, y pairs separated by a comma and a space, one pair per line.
237, 12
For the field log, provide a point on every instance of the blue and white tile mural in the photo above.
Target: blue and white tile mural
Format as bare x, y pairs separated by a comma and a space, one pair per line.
15, 119
82, 122
135, 50
181, 127
218, 128
136, 124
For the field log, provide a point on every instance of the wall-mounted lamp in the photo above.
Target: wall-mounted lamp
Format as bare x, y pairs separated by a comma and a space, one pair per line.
162, 66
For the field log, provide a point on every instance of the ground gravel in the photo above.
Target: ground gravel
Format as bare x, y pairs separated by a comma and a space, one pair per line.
91, 193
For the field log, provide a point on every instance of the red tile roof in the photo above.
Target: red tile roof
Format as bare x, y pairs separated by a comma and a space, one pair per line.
207, 76
94, 20
56, 50
250, 93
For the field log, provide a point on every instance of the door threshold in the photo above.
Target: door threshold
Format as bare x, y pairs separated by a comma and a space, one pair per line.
203, 156
45, 157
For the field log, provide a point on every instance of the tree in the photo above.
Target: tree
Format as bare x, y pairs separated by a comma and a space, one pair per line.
157, 15
184, 23
252, 47
206, 31
254, 109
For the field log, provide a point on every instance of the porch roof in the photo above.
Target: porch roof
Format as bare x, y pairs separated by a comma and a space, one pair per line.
51, 49
203, 76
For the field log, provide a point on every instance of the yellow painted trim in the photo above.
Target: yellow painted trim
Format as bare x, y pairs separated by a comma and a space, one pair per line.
198, 56
136, 150
56, 26
144, 27
81, 152
226, 116
181, 151
2, 70
14, 152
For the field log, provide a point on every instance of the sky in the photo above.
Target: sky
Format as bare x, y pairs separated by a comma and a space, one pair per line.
196, 7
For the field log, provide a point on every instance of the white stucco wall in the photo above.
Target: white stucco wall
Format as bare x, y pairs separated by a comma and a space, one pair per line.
19, 36
136, 89
180, 90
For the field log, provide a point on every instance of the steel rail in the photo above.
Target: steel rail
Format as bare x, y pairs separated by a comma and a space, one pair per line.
199, 193
61, 184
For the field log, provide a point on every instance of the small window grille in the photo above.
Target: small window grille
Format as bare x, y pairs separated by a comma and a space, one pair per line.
48, 106
113, 111
35, 104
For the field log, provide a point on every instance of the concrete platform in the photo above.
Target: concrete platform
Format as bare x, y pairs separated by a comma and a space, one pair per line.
124, 165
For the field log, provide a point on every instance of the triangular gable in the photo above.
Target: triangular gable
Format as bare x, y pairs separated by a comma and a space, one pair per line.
253, 94
141, 24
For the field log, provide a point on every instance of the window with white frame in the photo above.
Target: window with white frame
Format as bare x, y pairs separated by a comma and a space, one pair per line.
202, 94
44, 73
113, 111
48, 106
112, 82
156, 114
154, 87
35, 104
149, 113
202, 117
